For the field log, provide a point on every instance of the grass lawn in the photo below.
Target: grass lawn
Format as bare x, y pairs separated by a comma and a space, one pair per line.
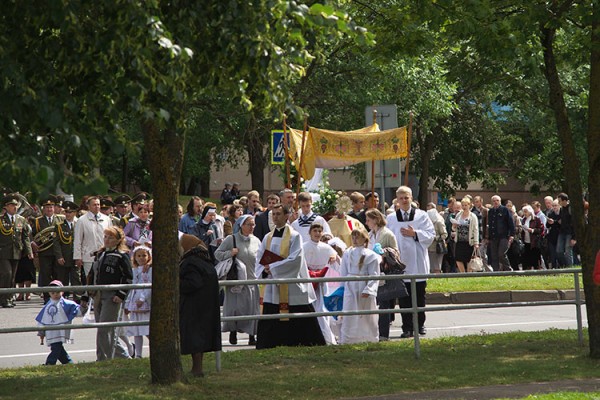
493, 283
325, 372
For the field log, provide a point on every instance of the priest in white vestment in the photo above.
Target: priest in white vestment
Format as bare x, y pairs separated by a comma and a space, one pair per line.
281, 256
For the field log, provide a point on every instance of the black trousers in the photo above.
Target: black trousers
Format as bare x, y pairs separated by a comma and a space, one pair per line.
293, 332
406, 302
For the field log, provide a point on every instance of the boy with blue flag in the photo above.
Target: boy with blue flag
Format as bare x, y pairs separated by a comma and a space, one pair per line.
57, 311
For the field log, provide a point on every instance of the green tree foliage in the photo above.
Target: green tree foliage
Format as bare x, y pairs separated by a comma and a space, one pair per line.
544, 46
71, 71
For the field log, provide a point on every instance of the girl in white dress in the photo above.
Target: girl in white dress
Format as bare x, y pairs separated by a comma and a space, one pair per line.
358, 260
320, 257
139, 301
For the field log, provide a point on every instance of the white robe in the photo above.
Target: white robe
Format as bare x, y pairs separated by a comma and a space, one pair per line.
414, 252
360, 328
293, 266
317, 255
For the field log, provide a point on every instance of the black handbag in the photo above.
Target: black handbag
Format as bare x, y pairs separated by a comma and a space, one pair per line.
393, 289
440, 246
232, 275
391, 265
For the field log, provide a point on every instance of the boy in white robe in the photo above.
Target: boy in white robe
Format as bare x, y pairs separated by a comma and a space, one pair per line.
360, 295
307, 217
414, 233
319, 258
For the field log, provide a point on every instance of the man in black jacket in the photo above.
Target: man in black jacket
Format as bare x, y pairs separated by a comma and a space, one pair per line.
264, 220
500, 234
566, 236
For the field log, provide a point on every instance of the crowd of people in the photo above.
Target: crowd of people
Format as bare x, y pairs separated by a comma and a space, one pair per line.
106, 240
506, 239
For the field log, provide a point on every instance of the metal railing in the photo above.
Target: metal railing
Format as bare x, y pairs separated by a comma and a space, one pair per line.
577, 301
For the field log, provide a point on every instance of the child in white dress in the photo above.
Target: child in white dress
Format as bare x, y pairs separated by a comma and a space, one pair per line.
139, 301
358, 260
320, 257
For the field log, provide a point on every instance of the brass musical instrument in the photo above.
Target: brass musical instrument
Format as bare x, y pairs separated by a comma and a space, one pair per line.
44, 239
25, 209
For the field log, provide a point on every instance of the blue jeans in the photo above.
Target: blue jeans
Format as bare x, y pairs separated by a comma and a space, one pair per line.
564, 251
58, 353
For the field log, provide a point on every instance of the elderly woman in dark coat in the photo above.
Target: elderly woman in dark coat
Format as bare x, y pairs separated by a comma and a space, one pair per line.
199, 313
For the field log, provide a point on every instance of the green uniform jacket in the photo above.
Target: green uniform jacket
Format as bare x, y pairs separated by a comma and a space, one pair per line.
63, 242
14, 240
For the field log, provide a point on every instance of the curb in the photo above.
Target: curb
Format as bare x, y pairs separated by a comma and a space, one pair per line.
505, 296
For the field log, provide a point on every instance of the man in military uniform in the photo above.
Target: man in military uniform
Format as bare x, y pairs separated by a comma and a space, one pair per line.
138, 201
44, 242
107, 207
58, 207
122, 207
14, 240
67, 272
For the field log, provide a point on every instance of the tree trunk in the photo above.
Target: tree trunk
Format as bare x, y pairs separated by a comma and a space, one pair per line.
426, 153
165, 160
204, 182
592, 238
257, 161
125, 173
587, 239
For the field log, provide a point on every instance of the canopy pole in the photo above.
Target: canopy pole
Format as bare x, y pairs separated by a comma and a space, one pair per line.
288, 180
299, 169
372, 199
408, 139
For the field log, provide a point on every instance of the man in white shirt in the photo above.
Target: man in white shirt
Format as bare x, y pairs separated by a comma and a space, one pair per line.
88, 235
414, 232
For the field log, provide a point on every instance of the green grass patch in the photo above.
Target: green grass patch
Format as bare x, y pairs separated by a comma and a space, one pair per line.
325, 372
565, 396
494, 283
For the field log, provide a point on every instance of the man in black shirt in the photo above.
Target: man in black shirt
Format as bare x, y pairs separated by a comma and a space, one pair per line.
500, 234
566, 235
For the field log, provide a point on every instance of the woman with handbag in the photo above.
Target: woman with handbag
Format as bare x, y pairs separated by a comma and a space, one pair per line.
465, 228
380, 234
242, 247
438, 248
531, 234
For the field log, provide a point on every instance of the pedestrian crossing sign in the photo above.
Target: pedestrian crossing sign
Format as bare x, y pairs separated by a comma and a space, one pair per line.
277, 149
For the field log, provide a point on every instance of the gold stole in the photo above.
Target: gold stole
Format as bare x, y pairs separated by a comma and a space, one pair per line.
284, 252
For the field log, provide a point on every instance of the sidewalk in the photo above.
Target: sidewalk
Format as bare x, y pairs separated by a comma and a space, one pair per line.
515, 391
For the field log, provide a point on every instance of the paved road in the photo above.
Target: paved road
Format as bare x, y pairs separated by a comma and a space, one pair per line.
22, 349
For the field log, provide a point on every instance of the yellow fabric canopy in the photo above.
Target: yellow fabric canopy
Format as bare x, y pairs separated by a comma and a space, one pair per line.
333, 149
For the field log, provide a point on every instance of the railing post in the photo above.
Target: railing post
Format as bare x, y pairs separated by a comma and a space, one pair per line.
415, 317
578, 309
